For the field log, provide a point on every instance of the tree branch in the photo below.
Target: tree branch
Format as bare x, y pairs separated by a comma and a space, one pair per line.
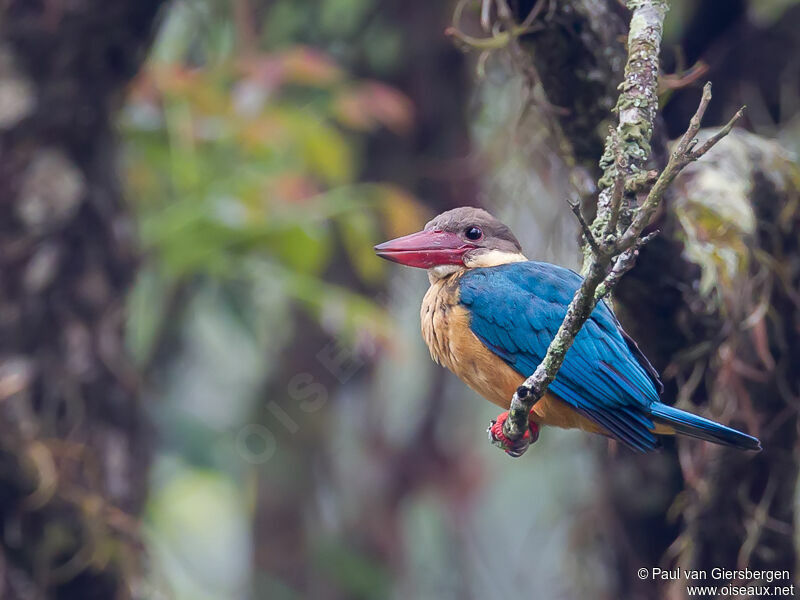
588, 234
617, 229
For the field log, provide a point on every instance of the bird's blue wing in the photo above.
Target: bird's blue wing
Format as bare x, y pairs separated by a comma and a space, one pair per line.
516, 310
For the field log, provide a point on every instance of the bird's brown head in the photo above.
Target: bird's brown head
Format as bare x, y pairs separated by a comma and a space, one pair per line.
464, 237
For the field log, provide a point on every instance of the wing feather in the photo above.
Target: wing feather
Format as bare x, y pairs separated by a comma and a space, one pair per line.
516, 310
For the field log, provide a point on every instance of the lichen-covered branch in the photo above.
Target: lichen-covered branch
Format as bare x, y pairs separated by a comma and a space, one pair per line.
628, 148
617, 231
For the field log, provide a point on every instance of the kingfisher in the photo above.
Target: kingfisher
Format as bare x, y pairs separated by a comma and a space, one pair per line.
490, 314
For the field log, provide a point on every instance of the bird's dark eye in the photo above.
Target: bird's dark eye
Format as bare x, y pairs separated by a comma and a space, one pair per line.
473, 233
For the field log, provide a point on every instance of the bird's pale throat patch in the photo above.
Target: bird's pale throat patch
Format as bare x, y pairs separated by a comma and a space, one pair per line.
492, 258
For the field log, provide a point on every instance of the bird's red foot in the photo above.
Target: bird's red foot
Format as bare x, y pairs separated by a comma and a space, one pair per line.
515, 448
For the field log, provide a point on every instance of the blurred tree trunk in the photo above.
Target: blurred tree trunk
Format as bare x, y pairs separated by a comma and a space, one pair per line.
74, 445
733, 348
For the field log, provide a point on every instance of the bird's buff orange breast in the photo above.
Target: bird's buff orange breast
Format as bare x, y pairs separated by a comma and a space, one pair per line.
446, 330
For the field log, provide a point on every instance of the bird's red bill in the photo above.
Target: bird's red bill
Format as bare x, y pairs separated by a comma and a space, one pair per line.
425, 249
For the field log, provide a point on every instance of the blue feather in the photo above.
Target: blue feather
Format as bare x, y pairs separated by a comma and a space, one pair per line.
516, 310
704, 429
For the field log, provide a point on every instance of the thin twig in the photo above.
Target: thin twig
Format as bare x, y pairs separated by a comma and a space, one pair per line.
486, 12
688, 138
537, 8
710, 142
500, 38
587, 231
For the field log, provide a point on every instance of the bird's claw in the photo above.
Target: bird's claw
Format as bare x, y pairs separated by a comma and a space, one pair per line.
514, 448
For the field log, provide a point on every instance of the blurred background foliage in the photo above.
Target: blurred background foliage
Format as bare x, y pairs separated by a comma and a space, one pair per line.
267, 146
234, 157
243, 161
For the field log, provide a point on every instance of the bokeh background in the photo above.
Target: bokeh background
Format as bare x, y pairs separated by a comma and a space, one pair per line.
212, 389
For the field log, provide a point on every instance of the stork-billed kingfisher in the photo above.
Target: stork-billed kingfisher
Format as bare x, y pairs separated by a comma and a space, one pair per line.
490, 314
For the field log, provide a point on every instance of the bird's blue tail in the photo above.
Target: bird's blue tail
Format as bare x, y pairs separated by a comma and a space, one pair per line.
705, 429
